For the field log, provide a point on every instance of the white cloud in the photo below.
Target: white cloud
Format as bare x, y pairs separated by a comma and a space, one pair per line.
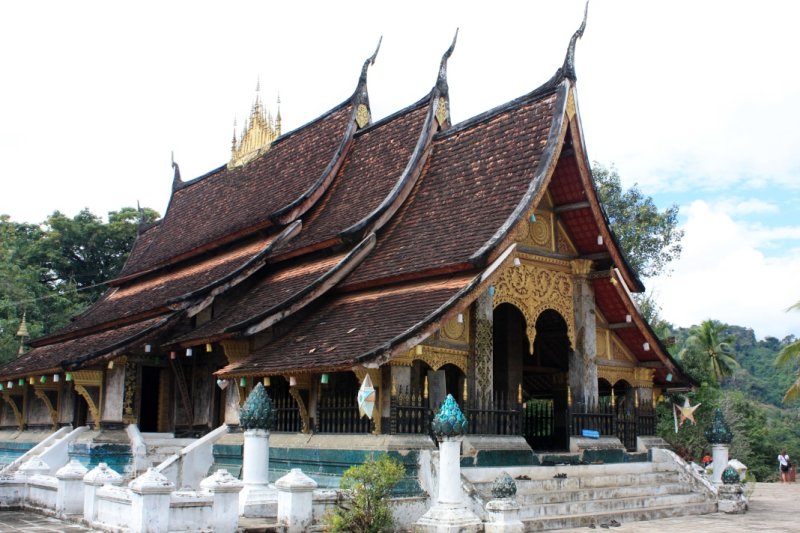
752, 206
724, 275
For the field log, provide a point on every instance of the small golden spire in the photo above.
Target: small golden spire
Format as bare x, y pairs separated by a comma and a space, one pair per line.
22, 333
259, 133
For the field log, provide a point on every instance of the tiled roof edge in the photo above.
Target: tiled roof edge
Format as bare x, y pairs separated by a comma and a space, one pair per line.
405, 183
420, 331
243, 272
78, 362
310, 196
546, 164
309, 293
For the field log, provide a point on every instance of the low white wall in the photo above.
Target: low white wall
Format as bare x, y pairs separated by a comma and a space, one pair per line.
12, 492
42, 491
113, 506
189, 511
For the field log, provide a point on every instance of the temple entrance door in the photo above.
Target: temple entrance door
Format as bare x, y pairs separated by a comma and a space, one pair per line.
81, 416
150, 396
536, 378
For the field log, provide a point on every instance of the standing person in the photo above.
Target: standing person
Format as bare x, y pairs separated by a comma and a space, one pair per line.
785, 464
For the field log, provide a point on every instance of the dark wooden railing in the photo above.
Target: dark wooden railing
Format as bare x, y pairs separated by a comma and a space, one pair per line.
624, 423
498, 416
338, 413
410, 412
286, 413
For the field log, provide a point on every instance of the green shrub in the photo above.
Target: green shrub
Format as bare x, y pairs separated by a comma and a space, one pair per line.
366, 489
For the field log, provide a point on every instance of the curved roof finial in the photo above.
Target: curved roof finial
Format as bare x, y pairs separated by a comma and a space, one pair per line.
176, 178
441, 82
362, 80
568, 69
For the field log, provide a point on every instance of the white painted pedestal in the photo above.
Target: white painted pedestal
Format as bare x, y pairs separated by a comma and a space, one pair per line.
450, 514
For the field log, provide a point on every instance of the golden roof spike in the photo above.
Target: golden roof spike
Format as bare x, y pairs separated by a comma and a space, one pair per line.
23, 334
278, 118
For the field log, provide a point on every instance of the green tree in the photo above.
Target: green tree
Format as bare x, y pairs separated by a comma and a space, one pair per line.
85, 251
649, 238
791, 354
367, 487
51, 271
711, 349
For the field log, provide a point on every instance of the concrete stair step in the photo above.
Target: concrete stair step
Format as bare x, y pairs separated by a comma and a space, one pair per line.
582, 495
611, 505
548, 523
535, 486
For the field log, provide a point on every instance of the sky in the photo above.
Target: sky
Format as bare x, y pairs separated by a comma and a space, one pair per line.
695, 102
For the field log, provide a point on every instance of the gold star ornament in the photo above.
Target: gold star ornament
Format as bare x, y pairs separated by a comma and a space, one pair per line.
686, 411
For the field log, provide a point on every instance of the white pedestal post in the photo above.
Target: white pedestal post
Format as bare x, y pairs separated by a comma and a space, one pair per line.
150, 494
69, 496
719, 452
295, 501
256, 493
96, 478
224, 489
450, 513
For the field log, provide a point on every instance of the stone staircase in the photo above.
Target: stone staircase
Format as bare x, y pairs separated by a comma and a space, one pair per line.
594, 494
161, 446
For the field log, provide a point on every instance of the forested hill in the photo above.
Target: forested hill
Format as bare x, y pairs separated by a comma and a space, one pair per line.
758, 377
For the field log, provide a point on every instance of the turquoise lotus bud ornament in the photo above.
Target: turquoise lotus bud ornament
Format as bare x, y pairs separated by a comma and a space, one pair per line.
449, 421
256, 413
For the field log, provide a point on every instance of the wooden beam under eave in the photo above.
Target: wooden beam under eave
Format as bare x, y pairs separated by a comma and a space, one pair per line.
571, 207
621, 325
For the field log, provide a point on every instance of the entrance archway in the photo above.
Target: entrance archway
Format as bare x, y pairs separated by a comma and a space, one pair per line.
537, 378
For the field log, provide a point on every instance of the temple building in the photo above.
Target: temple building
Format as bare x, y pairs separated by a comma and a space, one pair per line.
472, 259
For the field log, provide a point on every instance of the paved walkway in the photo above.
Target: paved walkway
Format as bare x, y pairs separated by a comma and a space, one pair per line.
773, 508
13, 521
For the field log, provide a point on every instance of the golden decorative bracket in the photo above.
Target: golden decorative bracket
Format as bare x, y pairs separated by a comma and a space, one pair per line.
93, 409
235, 350
41, 393
14, 407
301, 405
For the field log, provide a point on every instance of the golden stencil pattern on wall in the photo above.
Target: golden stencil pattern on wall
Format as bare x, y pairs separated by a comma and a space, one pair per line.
435, 356
534, 288
601, 334
163, 400
538, 233
128, 403
456, 331
563, 244
619, 352
636, 377
484, 371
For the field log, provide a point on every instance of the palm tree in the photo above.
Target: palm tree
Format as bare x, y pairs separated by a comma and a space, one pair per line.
715, 350
789, 354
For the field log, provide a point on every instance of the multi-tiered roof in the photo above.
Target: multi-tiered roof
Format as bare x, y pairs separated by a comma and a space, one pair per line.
354, 240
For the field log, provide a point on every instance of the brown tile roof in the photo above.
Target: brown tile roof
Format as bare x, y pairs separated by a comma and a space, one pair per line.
268, 292
49, 359
149, 293
334, 335
477, 176
373, 166
227, 201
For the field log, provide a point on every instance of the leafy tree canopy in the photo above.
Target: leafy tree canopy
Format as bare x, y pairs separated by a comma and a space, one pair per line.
53, 270
649, 238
